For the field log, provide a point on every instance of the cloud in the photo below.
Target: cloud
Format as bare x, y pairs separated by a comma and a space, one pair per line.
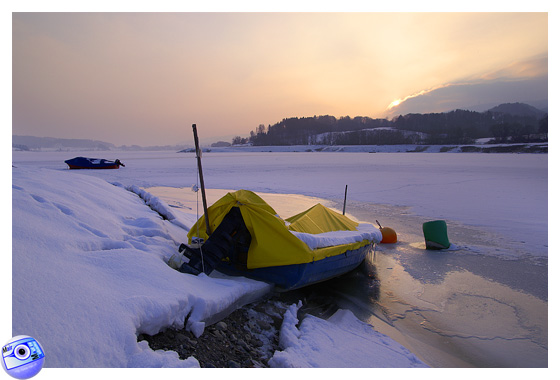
531, 68
522, 81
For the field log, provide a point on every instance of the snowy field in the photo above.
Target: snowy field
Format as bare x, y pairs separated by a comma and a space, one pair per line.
89, 272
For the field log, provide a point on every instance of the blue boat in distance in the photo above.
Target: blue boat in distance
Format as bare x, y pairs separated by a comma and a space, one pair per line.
93, 163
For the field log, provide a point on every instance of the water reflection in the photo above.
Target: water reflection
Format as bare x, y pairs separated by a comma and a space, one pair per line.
476, 321
526, 275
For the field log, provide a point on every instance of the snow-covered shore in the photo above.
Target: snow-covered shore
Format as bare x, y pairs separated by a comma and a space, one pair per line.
504, 194
89, 274
481, 146
403, 148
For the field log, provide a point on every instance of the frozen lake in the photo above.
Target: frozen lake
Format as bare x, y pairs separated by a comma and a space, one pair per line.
482, 303
502, 193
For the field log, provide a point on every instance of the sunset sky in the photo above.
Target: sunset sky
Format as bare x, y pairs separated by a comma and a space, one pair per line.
144, 78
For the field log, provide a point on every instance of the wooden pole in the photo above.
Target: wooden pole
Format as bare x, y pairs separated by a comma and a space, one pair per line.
199, 162
344, 207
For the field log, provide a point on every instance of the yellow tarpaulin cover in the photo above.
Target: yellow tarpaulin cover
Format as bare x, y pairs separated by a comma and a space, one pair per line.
272, 243
319, 219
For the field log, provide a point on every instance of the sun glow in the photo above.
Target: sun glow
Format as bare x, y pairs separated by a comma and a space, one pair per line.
394, 103
397, 102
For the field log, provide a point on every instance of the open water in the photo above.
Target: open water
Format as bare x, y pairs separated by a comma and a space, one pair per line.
453, 308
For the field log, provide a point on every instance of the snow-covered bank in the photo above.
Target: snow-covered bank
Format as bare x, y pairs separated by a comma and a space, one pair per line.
89, 274
403, 148
481, 146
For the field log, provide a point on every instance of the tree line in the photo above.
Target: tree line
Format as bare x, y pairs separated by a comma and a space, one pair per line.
455, 127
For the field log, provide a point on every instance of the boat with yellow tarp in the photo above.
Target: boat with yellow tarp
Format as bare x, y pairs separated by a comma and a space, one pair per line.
248, 238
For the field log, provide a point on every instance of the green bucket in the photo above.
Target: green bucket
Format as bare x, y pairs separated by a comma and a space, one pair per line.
435, 234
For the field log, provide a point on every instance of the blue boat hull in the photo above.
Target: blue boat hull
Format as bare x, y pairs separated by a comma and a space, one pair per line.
290, 277
92, 163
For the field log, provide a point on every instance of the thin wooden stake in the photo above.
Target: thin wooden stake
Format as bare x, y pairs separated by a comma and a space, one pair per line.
199, 162
344, 208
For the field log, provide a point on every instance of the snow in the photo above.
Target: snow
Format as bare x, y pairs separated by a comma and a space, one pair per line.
89, 272
89, 248
342, 341
400, 148
364, 231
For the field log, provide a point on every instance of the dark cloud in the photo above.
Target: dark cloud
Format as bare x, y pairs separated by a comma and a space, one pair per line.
477, 96
522, 81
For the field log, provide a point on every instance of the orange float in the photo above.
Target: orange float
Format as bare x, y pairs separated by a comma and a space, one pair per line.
389, 235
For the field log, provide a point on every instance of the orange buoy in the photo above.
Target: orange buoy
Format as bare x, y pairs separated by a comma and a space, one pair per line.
389, 235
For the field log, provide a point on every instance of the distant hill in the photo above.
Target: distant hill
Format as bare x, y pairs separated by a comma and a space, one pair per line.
518, 109
506, 123
220, 144
57, 144
32, 142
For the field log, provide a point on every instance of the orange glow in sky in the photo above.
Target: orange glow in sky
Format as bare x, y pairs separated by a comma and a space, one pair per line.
394, 103
398, 102
144, 78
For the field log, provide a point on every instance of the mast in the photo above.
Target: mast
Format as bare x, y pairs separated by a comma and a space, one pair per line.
199, 162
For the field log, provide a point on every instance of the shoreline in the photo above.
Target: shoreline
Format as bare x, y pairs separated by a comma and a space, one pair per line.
416, 301
524, 148
246, 338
